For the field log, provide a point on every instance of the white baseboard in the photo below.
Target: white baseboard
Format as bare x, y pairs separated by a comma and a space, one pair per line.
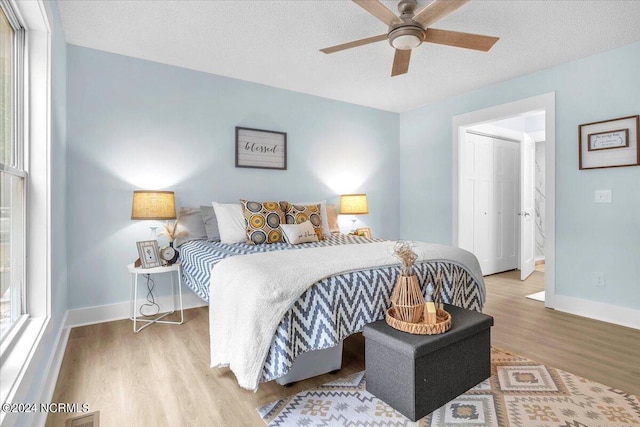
121, 310
597, 310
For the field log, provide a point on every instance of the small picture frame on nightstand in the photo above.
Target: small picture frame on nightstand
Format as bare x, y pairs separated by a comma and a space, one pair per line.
148, 253
364, 232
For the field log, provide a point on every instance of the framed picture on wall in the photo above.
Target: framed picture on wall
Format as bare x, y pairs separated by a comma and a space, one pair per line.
609, 143
262, 149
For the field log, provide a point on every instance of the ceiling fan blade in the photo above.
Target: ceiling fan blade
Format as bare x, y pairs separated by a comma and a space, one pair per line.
354, 43
437, 10
378, 10
401, 62
458, 39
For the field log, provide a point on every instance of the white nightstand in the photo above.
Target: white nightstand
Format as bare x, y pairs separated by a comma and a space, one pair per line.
137, 271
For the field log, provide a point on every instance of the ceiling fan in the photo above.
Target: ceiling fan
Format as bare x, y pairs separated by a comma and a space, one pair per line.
410, 29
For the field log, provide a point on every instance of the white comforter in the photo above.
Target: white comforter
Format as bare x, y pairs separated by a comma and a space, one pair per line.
249, 295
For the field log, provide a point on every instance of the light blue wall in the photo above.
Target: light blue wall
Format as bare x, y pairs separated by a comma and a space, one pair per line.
135, 124
589, 237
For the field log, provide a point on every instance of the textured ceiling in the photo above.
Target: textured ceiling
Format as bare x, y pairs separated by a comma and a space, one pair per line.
276, 42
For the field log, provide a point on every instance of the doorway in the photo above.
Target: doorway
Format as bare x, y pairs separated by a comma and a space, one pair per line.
499, 130
501, 190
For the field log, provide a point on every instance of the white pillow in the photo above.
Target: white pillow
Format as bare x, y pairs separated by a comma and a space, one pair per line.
323, 212
230, 222
299, 233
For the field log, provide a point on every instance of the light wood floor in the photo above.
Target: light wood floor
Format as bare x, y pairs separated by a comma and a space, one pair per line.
161, 376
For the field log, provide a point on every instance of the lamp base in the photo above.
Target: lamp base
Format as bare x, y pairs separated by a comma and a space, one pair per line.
154, 233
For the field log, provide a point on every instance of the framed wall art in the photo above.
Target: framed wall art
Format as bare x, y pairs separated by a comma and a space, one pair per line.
262, 149
609, 143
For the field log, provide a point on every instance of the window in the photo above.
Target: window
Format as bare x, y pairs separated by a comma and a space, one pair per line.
12, 175
25, 168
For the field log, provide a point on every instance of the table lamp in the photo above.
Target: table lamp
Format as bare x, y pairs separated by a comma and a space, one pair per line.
153, 205
354, 204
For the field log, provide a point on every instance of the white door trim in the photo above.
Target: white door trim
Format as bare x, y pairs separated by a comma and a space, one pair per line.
546, 102
527, 206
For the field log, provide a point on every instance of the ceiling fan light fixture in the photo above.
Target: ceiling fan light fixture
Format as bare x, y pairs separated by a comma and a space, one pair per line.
406, 42
406, 38
412, 28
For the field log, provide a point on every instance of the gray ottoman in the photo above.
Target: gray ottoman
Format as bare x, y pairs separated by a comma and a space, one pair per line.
417, 374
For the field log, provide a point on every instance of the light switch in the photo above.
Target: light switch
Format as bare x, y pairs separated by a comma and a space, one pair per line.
602, 196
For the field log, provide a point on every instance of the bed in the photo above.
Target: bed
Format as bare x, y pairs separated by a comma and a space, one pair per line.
337, 306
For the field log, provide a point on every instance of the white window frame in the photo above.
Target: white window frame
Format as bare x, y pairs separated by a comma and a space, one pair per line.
15, 359
17, 167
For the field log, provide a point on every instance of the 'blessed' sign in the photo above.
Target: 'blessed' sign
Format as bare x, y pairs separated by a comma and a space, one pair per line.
264, 149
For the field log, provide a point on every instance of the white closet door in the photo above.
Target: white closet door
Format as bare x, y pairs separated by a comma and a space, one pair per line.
467, 201
489, 202
484, 224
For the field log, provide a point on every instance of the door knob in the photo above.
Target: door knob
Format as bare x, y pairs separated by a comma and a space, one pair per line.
526, 214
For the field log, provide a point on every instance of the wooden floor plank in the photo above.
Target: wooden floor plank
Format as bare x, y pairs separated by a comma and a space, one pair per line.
161, 376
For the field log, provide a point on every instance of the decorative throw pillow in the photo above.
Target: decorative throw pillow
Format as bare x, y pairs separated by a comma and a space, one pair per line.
332, 219
262, 221
299, 233
230, 222
323, 214
190, 220
210, 223
297, 214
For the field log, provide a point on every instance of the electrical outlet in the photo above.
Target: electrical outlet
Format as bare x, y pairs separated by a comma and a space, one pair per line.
599, 279
602, 196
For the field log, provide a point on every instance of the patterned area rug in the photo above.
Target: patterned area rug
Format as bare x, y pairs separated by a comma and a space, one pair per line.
520, 392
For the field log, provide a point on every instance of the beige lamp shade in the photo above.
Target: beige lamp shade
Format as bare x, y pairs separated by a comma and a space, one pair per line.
153, 205
354, 204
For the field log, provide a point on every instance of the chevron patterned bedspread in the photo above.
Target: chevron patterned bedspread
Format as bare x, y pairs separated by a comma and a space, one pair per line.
333, 308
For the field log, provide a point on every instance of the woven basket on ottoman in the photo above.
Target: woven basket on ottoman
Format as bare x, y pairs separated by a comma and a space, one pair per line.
417, 374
